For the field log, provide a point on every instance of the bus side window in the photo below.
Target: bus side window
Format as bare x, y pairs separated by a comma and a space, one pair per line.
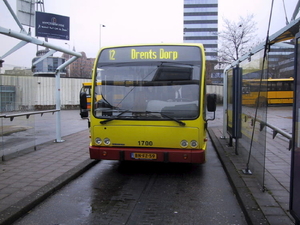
291, 86
269, 86
279, 86
285, 86
245, 89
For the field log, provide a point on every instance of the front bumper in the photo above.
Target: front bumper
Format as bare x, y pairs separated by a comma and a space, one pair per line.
162, 155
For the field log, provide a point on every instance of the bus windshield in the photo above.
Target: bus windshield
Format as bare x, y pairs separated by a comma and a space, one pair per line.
147, 91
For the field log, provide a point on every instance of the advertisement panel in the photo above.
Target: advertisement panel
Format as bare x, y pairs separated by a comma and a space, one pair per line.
50, 25
234, 102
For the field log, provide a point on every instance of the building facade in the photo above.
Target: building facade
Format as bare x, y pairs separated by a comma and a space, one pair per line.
47, 66
82, 67
281, 60
201, 25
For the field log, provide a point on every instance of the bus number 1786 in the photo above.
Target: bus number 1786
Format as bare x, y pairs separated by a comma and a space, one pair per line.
145, 143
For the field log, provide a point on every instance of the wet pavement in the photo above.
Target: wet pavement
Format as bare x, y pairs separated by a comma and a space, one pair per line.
116, 193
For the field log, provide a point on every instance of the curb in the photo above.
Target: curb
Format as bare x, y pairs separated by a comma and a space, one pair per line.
251, 210
15, 211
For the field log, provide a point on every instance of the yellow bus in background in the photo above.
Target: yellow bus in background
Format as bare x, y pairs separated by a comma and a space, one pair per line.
86, 88
152, 104
276, 91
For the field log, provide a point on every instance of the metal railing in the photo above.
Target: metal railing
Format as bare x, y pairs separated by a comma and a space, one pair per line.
27, 114
276, 131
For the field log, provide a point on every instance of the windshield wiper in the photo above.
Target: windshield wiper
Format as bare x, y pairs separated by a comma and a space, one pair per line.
169, 117
114, 118
165, 115
172, 118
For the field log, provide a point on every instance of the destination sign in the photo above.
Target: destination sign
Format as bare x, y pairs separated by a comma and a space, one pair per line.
150, 53
161, 54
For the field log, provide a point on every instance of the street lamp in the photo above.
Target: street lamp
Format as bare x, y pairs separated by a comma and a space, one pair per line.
101, 25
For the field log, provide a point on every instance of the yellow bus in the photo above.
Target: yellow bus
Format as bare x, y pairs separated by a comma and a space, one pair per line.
152, 106
86, 89
279, 91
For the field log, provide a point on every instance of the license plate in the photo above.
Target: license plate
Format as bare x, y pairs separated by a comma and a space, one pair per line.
143, 156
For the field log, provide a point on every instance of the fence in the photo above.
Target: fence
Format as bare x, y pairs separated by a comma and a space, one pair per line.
24, 93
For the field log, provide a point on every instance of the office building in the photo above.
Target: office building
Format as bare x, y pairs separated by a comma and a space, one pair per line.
201, 25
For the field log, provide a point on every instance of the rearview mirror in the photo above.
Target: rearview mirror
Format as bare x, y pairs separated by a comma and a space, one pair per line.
83, 101
84, 113
211, 102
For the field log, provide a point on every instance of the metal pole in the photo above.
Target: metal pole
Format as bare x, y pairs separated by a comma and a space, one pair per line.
225, 101
36, 41
58, 113
101, 25
57, 96
14, 15
296, 11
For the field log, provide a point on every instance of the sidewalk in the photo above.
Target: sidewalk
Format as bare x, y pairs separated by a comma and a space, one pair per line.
27, 180
271, 206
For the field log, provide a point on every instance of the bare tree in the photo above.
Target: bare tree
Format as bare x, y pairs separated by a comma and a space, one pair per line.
236, 39
209, 70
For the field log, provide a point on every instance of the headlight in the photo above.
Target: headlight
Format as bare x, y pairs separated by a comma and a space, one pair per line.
98, 141
184, 143
194, 144
106, 141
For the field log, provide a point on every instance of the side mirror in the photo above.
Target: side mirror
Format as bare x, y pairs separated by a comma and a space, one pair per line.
83, 101
211, 102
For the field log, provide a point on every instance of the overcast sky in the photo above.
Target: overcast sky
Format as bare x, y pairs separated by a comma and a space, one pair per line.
133, 22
